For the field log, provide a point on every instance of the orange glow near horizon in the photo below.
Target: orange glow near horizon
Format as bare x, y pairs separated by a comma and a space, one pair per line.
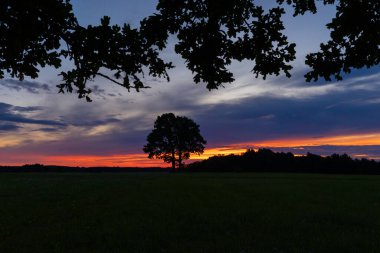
141, 160
128, 160
342, 140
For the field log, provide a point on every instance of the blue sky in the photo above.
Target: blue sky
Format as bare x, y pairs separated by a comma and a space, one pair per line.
39, 125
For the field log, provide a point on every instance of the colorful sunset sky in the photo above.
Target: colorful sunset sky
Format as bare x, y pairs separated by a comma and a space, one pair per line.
38, 125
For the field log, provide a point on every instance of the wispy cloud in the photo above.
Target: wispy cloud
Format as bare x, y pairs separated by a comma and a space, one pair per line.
8, 127
33, 87
15, 114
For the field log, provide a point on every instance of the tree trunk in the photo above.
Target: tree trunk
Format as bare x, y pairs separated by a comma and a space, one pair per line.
179, 160
173, 161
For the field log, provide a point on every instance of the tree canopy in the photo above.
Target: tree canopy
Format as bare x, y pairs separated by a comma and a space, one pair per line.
173, 139
210, 34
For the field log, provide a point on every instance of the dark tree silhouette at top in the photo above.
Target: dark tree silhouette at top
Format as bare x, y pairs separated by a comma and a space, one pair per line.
40, 33
173, 139
210, 34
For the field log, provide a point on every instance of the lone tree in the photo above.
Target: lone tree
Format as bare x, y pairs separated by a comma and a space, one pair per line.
173, 139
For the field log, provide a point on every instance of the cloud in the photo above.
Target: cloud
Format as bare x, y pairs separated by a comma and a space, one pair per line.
15, 114
48, 129
8, 127
29, 86
96, 122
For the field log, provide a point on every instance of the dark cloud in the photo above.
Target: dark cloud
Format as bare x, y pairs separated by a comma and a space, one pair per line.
25, 109
49, 129
8, 107
8, 127
102, 93
97, 91
29, 86
14, 114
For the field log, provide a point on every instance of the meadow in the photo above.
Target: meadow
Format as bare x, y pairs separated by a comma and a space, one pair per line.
189, 212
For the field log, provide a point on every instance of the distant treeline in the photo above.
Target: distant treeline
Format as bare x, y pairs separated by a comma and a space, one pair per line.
48, 168
265, 160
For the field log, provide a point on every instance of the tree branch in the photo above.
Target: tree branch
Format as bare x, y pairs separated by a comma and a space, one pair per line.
119, 83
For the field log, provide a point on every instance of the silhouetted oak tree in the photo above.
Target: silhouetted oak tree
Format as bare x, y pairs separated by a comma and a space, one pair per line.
210, 34
173, 139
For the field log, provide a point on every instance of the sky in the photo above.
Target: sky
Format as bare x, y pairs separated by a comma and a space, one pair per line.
38, 125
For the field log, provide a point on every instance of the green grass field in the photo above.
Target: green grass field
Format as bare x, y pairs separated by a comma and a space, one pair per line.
189, 213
